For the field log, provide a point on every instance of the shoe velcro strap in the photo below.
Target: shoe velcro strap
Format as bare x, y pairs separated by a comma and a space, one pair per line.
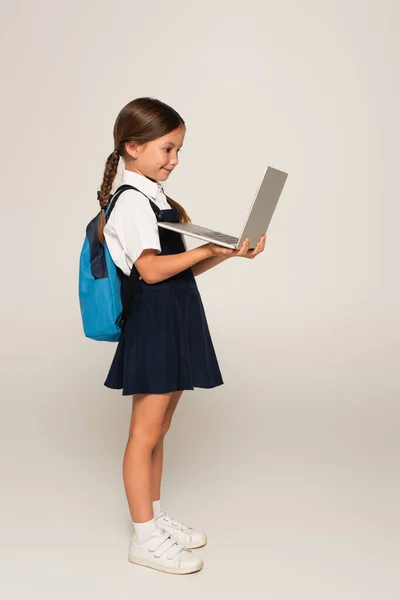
174, 550
156, 542
178, 524
165, 544
170, 548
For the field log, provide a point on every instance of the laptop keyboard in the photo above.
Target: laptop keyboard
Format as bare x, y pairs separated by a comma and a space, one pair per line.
216, 235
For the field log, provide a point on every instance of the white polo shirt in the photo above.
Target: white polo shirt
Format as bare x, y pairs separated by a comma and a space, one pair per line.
132, 226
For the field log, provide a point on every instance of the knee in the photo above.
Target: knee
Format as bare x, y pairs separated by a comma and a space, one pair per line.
146, 437
165, 427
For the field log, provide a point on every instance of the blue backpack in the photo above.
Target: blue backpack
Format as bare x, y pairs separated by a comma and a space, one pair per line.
103, 309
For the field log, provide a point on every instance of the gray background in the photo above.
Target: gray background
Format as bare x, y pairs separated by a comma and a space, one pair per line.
292, 467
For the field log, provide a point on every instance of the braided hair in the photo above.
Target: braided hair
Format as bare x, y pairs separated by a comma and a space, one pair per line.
141, 121
104, 194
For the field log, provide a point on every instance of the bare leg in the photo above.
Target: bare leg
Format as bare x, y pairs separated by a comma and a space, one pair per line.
158, 452
148, 412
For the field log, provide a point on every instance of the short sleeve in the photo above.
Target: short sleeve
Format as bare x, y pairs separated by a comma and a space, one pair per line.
131, 228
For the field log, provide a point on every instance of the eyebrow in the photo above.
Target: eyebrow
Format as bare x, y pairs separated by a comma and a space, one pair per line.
172, 144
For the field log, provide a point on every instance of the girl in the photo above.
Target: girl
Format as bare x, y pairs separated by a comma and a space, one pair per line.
165, 345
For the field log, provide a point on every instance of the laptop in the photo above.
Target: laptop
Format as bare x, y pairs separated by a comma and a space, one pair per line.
258, 219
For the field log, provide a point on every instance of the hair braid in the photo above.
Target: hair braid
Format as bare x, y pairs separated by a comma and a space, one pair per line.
183, 216
104, 195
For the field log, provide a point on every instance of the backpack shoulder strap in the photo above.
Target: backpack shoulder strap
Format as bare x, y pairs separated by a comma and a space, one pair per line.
133, 278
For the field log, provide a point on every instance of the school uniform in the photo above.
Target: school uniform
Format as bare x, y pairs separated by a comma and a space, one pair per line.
165, 344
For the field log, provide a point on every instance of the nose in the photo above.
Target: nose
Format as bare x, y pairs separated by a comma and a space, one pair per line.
174, 160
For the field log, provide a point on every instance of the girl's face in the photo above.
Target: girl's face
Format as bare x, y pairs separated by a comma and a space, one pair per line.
158, 158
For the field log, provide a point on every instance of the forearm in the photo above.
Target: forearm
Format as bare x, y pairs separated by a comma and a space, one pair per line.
159, 268
207, 263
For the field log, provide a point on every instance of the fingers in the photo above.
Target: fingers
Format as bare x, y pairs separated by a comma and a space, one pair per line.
258, 249
263, 238
260, 246
244, 248
254, 252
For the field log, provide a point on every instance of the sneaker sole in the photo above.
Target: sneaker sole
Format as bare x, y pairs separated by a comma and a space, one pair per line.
145, 563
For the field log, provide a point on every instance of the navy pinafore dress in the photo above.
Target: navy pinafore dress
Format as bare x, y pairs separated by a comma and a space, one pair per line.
165, 344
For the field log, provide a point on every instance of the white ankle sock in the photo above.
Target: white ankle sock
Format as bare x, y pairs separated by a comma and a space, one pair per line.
156, 507
143, 531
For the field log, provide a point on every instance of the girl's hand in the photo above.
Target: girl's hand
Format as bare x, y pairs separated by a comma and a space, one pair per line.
216, 250
244, 249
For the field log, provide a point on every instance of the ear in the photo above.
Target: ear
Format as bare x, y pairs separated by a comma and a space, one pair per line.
132, 149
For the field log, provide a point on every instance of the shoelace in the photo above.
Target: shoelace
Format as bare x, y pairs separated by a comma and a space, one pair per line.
175, 522
166, 545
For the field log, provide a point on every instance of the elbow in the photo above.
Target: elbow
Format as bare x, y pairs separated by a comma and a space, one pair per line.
146, 268
146, 278
149, 278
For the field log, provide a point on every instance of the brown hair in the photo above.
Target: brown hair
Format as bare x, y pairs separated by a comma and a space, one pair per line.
140, 121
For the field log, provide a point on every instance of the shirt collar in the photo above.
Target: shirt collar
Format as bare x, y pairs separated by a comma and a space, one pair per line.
141, 182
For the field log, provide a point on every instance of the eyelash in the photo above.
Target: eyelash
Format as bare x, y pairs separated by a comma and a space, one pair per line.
168, 149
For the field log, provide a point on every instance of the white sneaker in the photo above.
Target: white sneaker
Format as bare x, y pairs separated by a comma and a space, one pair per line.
163, 553
184, 535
